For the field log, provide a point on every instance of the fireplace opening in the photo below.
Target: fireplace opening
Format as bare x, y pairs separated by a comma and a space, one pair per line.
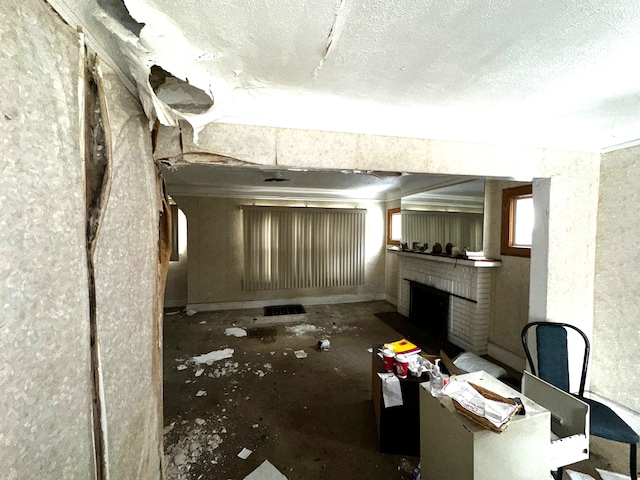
429, 309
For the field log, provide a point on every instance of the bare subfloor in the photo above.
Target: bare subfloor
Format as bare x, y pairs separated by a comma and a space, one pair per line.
312, 417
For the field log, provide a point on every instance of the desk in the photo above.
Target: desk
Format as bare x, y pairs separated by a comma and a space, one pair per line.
398, 427
455, 448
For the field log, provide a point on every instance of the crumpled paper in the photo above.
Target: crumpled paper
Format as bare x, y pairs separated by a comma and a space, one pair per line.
470, 399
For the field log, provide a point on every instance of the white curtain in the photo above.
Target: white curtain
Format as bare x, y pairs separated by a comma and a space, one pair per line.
287, 247
464, 230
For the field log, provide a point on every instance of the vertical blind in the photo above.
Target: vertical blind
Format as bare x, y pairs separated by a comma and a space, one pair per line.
464, 230
287, 247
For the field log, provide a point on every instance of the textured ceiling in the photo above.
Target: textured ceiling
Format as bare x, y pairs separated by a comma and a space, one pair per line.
554, 73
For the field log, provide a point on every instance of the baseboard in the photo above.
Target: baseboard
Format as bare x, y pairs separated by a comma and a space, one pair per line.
332, 299
507, 357
174, 303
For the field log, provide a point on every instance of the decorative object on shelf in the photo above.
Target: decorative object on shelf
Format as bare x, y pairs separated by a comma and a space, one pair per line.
437, 248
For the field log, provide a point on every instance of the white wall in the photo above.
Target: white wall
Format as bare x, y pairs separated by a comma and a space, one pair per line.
616, 328
216, 265
510, 284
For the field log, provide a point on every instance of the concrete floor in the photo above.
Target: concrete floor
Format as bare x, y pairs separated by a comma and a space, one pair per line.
312, 418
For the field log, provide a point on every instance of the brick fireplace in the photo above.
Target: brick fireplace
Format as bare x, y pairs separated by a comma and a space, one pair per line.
468, 286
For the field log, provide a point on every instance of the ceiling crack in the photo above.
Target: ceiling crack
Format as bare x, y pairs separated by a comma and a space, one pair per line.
334, 34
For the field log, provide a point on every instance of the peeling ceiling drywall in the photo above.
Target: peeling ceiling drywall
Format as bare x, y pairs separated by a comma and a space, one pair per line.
310, 184
561, 74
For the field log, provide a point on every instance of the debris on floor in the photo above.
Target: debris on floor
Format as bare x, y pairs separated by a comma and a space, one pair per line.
300, 354
199, 372
190, 313
190, 446
229, 367
235, 331
266, 471
406, 467
201, 393
303, 329
244, 453
181, 367
214, 356
169, 428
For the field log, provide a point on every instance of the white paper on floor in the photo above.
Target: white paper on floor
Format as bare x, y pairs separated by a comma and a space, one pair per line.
391, 392
611, 475
266, 471
300, 354
214, 356
244, 454
235, 331
578, 476
190, 313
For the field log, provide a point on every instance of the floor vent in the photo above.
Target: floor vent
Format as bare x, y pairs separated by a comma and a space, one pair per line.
283, 310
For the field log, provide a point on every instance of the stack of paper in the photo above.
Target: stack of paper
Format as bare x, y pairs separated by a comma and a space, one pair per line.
403, 346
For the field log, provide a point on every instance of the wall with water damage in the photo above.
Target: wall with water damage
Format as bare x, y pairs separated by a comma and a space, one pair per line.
80, 386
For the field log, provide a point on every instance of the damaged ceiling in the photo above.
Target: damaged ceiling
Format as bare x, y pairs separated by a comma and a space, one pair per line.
561, 74
328, 185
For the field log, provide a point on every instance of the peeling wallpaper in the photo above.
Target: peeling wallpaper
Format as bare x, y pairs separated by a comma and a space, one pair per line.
126, 272
45, 376
45, 431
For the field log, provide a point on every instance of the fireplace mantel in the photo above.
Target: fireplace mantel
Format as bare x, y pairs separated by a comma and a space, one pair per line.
467, 281
484, 263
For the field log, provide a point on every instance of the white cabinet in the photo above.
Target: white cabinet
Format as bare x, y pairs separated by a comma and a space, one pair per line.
453, 447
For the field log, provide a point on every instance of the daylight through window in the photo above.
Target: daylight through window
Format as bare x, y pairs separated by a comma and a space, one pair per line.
517, 221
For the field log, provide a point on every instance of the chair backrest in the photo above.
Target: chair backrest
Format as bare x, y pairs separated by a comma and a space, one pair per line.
553, 353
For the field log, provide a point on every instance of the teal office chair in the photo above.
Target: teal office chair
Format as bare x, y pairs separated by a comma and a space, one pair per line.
553, 367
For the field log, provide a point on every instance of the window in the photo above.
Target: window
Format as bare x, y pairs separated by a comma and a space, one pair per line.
286, 247
517, 221
175, 255
394, 226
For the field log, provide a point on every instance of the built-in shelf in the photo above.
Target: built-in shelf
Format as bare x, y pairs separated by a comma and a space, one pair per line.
481, 263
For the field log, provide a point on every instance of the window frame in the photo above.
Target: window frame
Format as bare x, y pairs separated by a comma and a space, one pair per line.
509, 197
390, 213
